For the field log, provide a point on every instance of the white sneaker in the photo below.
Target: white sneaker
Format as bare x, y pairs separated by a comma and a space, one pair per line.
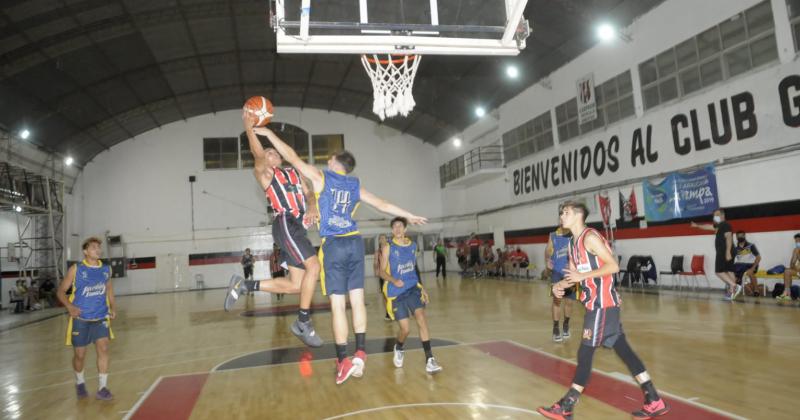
398, 357
736, 292
432, 366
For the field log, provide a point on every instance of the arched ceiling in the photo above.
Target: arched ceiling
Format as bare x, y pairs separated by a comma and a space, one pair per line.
85, 75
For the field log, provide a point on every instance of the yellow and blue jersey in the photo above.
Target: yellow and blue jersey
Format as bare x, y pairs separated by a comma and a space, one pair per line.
402, 266
337, 203
560, 257
89, 290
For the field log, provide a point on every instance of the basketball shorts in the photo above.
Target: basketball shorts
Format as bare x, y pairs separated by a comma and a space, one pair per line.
602, 327
406, 303
87, 332
292, 238
342, 259
570, 292
721, 265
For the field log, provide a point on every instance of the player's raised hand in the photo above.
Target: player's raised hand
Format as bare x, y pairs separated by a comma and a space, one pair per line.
417, 220
248, 119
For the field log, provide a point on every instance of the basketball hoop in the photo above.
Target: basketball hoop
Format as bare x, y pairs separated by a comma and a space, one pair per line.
392, 83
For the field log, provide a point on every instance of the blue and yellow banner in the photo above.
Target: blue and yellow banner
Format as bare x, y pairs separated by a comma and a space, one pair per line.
682, 195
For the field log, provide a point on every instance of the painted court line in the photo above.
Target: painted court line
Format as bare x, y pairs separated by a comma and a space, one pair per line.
174, 396
441, 404
606, 387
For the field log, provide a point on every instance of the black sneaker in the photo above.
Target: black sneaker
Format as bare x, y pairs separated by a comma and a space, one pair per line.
652, 409
565, 331
556, 411
557, 335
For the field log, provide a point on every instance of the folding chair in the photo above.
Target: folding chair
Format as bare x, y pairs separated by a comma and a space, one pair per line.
675, 269
697, 268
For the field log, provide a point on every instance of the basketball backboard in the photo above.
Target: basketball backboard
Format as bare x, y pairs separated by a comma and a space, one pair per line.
439, 27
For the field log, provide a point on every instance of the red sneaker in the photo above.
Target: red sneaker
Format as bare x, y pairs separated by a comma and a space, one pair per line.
344, 369
359, 360
556, 412
653, 409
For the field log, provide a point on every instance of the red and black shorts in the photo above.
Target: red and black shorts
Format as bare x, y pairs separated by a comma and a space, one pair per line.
291, 236
602, 327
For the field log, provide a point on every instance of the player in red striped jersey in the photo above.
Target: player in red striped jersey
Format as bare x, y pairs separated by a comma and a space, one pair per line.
592, 264
295, 209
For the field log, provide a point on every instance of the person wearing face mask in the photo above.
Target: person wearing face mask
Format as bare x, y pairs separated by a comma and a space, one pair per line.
723, 242
745, 264
792, 270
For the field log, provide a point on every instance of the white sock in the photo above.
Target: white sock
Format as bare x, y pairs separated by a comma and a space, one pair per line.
79, 378
103, 380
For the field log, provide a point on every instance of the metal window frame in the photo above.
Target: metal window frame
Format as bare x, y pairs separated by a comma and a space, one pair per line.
718, 56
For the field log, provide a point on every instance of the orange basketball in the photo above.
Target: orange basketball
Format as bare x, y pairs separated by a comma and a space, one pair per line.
261, 107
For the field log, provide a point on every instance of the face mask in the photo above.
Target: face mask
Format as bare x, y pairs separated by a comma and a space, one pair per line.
797, 244
741, 239
717, 219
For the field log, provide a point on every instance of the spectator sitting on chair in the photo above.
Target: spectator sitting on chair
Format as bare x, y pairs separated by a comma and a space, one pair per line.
745, 263
792, 270
521, 262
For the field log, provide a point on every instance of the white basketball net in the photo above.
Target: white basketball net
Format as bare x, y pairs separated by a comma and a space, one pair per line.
392, 82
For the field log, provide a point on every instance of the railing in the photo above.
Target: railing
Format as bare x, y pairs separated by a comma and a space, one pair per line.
484, 157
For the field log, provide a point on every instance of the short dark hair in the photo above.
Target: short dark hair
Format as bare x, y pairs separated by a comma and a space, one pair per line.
575, 205
91, 240
346, 159
797, 235
721, 210
402, 220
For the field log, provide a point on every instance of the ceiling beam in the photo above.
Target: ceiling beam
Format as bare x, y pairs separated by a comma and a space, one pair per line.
235, 29
72, 80
111, 63
195, 53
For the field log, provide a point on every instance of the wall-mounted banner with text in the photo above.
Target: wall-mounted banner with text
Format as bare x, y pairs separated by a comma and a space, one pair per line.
681, 195
758, 113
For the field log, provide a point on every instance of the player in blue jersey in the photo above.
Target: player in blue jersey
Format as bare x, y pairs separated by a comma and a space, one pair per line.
91, 309
557, 257
404, 292
342, 250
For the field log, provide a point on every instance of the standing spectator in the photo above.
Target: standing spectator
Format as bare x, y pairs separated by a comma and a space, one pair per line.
500, 264
47, 291
247, 264
440, 257
723, 242
745, 263
275, 266
474, 245
487, 257
462, 251
792, 270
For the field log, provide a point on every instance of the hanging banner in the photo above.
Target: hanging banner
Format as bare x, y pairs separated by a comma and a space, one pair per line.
628, 210
587, 106
682, 195
605, 207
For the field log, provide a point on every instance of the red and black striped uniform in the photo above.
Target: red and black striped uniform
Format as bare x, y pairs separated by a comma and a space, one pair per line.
285, 192
596, 292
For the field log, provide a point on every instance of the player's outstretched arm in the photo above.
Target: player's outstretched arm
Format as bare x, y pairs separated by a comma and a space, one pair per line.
290, 156
390, 208
249, 121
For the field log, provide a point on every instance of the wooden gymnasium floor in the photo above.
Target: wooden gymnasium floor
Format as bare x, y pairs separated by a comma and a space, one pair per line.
180, 356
